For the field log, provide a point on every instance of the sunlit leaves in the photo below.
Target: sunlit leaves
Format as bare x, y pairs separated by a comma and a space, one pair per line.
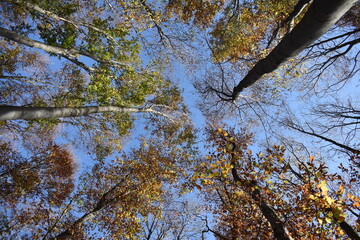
299, 192
243, 30
200, 12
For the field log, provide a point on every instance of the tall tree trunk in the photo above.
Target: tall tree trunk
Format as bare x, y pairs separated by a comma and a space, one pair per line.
14, 112
14, 36
321, 15
71, 54
278, 226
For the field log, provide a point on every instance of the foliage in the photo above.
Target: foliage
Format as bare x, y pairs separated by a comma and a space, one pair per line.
302, 193
114, 76
114, 198
142, 175
243, 30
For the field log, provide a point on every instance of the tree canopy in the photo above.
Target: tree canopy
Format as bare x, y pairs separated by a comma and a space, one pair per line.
102, 136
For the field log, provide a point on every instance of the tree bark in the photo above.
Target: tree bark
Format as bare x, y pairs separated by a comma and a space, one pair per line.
278, 227
49, 14
14, 36
322, 14
349, 231
15, 112
71, 54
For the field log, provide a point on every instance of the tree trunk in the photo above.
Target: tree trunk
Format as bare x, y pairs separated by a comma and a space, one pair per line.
349, 231
14, 112
71, 54
14, 36
278, 227
105, 200
321, 15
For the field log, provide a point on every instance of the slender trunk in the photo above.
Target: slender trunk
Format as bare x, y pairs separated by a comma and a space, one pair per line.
108, 198
69, 233
14, 36
279, 230
321, 15
14, 112
349, 231
76, 24
71, 53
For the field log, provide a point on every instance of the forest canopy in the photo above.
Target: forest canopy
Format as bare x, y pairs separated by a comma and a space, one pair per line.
182, 119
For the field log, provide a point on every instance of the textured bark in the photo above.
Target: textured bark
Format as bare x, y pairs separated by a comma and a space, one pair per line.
322, 14
14, 112
277, 225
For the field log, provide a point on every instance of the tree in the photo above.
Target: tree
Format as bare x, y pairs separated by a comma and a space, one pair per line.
112, 199
112, 80
74, 73
267, 194
44, 180
318, 19
178, 219
333, 123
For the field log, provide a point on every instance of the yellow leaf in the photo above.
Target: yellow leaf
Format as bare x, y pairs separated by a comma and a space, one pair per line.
356, 204
341, 189
329, 200
322, 187
340, 219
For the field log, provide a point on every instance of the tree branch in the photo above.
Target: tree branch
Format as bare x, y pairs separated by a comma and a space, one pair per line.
300, 129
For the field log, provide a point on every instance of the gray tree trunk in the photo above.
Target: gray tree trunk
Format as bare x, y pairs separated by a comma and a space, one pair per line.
14, 112
322, 14
71, 54
14, 36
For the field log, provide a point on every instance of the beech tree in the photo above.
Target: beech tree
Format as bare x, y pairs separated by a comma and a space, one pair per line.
101, 73
112, 199
320, 16
97, 141
270, 195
